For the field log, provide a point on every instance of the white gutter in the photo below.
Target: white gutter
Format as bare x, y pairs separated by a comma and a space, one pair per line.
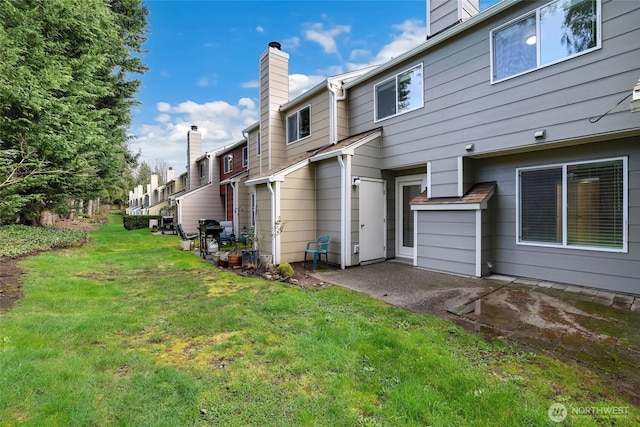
236, 215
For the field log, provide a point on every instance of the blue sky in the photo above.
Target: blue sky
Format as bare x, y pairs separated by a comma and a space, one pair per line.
204, 58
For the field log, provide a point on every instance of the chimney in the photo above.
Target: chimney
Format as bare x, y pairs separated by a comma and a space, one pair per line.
154, 187
443, 14
171, 174
194, 150
274, 90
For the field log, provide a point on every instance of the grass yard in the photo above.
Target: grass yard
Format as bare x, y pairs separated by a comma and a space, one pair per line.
129, 330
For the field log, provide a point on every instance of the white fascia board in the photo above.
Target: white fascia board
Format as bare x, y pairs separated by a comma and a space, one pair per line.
279, 176
350, 150
252, 127
236, 178
448, 34
449, 207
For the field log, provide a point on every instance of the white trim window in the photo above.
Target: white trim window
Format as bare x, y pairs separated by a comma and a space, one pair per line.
245, 157
299, 125
580, 205
551, 33
228, 163
399, 94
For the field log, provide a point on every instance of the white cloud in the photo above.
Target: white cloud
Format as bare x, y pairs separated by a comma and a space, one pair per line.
220, 123
260, 29
359, 54
163, 118
163, 107
250, 84
203, 81
326, 37
412, 33
291, 43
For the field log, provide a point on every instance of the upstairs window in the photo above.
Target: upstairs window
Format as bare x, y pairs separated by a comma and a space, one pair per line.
299, 125
400, 94
228, 163
245, 157
576, 205
552, 33
201, 170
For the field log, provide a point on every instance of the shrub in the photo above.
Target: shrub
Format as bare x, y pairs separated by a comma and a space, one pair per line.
18, 240
135, 222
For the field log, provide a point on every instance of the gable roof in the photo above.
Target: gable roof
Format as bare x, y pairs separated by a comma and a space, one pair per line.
344, 146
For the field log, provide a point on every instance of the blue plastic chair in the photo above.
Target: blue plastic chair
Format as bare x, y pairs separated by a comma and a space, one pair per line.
321, 245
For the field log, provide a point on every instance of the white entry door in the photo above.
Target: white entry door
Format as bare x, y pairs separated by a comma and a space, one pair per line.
372, 220
407, 187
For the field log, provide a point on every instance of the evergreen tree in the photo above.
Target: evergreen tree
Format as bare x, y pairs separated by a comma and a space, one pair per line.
65, 100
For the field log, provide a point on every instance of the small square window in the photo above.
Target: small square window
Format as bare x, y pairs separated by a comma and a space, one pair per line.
299, 125
228, 163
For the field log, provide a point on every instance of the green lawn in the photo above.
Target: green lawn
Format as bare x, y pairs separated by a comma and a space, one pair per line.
129, 330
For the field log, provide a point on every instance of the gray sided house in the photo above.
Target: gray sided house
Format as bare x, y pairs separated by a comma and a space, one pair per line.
507, 144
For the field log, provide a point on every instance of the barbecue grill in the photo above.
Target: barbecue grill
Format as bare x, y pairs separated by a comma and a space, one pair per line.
167, 224
208, 229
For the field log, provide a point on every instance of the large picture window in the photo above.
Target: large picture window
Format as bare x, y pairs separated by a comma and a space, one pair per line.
299, 125
400, 94
554, 32
581, 205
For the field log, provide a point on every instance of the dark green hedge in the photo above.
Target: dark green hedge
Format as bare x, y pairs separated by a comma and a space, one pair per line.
134, 222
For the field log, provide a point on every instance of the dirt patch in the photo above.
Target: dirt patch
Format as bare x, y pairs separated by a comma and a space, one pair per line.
10, 283
569, 327
302, 276
11, 274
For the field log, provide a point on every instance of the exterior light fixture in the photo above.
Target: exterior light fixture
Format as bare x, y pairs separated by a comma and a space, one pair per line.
540, 134
469, 147
356, 181
531, 40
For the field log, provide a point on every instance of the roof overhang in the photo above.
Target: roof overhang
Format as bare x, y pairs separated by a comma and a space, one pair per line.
235, 178
349, 149
476, 198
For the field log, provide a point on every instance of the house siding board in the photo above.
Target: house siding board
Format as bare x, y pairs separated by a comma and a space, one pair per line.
462, 106
298, 209
442, 13
263, 218
205, 203
582, 267
367, 160
328, 205
436, 252
319, 136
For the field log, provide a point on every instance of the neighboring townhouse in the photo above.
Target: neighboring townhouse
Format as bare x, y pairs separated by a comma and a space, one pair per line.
233, 162
508, 145
200, 198
296, 170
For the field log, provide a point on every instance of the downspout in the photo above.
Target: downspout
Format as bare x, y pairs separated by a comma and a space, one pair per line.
343, 213
333, 112
273, 220
236, 216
